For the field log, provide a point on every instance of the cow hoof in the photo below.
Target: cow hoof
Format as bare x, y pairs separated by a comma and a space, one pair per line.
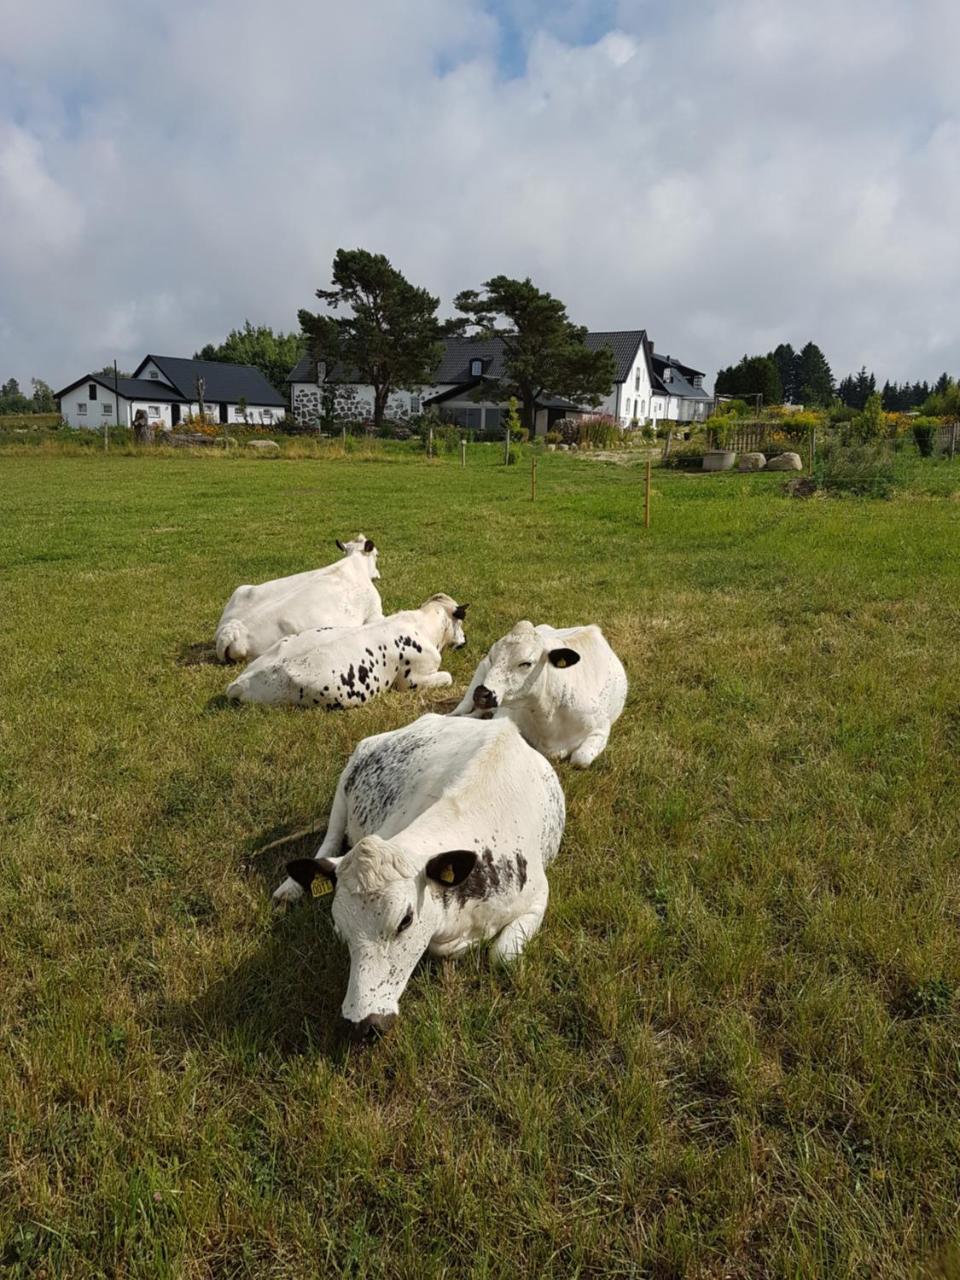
288, 892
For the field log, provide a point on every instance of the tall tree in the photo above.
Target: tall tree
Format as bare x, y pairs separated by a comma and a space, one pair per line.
753, 376
274, 354
44, 401
785, 358
544, 352
390, 339
814, 378
12, 399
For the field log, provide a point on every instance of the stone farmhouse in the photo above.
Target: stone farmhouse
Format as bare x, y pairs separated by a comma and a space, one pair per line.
166, 387
648, 388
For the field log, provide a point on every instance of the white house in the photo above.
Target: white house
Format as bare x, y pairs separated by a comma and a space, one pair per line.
648, 388
167, 388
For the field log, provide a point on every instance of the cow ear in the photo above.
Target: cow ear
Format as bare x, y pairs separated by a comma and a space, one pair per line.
369, 546
461, 611
306, 870
340, 544
452, 868
564, 657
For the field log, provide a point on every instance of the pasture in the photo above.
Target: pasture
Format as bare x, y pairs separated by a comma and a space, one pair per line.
732, 1050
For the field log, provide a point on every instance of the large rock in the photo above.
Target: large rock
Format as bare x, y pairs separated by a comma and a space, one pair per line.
751, 462
266, 448
719, 460
785, 462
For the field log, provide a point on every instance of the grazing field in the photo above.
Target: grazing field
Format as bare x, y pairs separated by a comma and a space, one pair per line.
734, 1047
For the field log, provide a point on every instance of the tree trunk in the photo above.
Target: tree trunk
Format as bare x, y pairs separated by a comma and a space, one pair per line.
380, 397
528, 415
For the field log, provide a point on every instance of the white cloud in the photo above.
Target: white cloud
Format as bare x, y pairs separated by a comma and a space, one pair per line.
727, 173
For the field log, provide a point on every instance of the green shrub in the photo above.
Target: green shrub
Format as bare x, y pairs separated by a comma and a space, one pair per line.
924, 435
860, 470
513, 455
734, 409
685, 457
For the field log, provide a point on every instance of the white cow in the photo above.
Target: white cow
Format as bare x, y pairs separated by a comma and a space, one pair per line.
341, 594
340, 667
562, 688
450, 825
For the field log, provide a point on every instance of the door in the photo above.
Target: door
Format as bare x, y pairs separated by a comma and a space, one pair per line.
175, 415
224, 417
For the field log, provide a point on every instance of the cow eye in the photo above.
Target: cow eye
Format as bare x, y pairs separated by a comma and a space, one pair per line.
407, 921
524, 665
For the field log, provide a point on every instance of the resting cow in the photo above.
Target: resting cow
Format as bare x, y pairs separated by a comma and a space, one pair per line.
450, 825
346, 666
341, 594
562, 688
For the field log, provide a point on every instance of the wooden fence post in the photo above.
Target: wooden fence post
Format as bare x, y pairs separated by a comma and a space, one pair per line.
429, 442
813, 447
463, 452
953, 441
343, 438
533, 477
646, 495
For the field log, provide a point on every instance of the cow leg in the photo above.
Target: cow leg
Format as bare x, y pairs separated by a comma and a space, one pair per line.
509, 943
466, 706
439, 680
423, 673
330, 847
590, 747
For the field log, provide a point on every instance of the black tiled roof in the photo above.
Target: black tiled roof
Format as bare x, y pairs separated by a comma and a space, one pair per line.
623, 343
131, 388
222, 381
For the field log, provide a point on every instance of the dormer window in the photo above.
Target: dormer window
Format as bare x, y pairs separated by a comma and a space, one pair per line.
668, 375
476, 368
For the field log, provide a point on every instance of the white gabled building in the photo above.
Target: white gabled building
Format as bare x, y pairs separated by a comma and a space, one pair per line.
166, 387
648, 388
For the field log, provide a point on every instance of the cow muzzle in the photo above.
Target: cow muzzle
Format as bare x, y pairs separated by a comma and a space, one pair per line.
372, 1026
484, 699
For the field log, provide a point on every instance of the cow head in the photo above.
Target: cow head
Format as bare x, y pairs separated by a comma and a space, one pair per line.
362, 546
519, 664
387, 909
453, 619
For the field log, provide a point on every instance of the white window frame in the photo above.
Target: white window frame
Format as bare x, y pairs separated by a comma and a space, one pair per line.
81, 407
153, 411
267, 415
154, 375
414, 403
476, 368
107, 407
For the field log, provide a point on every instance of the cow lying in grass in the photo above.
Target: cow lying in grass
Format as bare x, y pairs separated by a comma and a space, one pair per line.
562, 689
340, 667
341, 594
450, 825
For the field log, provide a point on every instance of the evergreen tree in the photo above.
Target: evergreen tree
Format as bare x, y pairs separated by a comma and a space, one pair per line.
544, 352
846, 390
12, 399
814, 378
753, 376
785, 358
390, 339
941, 384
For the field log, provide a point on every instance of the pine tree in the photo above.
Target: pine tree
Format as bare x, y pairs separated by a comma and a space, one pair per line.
785, 358
814, 378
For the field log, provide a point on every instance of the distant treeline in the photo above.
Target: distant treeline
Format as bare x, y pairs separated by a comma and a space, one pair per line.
12, 399
786, 376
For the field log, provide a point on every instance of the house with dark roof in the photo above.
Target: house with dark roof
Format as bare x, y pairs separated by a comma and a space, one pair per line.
467, 387
168, 388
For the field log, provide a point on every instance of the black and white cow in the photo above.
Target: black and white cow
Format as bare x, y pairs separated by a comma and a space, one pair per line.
341, 594
451, 824
341, 667
562, 688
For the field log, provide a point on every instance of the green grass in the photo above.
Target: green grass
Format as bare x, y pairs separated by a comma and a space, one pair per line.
733, 1049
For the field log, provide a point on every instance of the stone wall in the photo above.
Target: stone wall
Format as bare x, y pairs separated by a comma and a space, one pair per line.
351, 403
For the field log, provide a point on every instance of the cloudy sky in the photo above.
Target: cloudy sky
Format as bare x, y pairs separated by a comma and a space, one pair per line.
726, 173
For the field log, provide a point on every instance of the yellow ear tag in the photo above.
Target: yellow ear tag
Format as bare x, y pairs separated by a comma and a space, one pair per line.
321, 887
561, 662
446, 875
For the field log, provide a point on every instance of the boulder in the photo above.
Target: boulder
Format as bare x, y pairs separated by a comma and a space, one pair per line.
266, 448
785, 462
751, 462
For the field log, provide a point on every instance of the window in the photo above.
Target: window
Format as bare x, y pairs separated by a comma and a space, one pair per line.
668, 374
154, 375
643, 408
476, 368
107, 407
636, 385
153, 411
492, 420
698, 380
81, 408
414, 404
92, 391
267, 415
627, 410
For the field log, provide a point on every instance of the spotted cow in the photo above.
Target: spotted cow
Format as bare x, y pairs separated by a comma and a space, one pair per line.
450, 825
562, 688
342, 667
341, 594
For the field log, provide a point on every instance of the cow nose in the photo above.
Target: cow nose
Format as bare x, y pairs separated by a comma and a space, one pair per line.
484, 698
373, 1025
